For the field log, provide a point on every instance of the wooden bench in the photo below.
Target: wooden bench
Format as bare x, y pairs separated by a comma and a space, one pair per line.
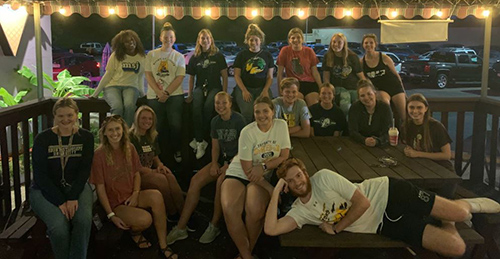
312, 236
485, 224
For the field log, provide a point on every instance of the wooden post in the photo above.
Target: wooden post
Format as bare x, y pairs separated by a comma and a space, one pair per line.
478, 143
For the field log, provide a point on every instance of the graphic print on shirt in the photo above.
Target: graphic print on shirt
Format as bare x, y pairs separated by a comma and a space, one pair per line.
74, 151
325, 122
341, 71
131, 67
290, 119
265, 150
255, 65
205, 63
417, 142
377, 73
147, 155
333, 215
227, 135
296, 66
162, 70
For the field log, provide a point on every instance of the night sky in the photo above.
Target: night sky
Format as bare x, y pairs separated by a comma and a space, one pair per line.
69, 32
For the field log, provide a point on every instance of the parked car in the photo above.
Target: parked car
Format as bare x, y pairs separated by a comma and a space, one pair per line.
426, 55
494, 77
78, 64
443, 68
92, 48
419, 48
403, 53
397, 61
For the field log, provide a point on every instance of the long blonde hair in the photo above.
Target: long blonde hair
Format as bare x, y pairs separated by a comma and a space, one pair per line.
151, 133
124, 141
330, 55
198, 49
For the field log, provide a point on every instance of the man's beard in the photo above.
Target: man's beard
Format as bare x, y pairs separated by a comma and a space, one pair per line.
308, 190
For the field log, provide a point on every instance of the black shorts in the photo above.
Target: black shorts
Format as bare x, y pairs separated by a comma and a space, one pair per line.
308, 87
243, 181
407, 212
392, 89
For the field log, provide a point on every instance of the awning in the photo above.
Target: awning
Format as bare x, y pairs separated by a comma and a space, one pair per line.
270, 9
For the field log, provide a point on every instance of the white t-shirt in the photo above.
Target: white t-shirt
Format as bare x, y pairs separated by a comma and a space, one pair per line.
128, 72
165, 66
259, 147
330, 201
294, 115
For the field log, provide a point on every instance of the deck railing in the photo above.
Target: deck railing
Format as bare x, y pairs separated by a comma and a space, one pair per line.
21, 123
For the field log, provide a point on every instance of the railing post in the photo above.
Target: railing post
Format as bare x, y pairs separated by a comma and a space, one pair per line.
478, 144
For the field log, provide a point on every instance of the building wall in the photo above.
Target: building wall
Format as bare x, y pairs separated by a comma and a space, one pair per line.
26, 56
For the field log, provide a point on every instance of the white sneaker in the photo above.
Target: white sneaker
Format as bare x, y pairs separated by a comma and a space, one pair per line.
178, 156
483, 205
200, 149
210, 234
192, 144
176, 234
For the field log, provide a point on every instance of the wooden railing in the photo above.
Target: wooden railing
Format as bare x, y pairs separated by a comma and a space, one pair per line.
18, 118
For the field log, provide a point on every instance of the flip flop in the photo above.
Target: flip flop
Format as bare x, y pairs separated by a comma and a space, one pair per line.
142, 240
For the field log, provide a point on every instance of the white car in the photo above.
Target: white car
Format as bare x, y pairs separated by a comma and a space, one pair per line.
395, 59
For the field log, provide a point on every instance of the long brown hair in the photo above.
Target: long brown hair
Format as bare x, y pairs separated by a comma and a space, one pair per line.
330, 54
151, 133
118, 45
198, 49
426, 138
124, 141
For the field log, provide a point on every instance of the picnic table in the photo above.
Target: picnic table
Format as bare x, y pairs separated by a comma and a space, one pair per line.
357, 162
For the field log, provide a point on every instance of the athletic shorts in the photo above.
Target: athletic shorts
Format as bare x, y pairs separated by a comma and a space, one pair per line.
392, 89
407, 212
308, 87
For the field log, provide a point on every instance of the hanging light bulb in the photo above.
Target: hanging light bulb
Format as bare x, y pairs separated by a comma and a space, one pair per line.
439, 13
62, 10
208, 12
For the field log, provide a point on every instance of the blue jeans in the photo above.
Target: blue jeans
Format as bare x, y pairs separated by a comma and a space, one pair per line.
203, 111
346, 98
246, 108
69, 238
169, 121
122, 101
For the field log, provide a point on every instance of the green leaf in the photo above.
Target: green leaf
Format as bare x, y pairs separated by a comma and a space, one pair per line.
3, 104
20, 95
52, 84
7, 97
63, 75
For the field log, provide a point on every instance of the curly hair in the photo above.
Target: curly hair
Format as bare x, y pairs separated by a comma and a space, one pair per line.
118, 44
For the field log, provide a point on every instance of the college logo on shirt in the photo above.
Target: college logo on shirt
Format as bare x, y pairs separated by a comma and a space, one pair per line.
73, 151
227, 135
163, 68
255, 65
290, 119
131, 66
377, 73
267, 149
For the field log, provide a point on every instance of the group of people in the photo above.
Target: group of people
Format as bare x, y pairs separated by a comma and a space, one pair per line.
137, 190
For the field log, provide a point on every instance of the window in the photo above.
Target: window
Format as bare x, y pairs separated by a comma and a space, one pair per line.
463, 58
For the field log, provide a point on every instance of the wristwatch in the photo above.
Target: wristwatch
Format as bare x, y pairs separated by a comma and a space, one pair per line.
264, 166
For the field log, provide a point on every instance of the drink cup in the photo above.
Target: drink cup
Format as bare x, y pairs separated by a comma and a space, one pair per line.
393, 136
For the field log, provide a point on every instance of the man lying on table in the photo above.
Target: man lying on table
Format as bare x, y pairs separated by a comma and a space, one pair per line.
390, 207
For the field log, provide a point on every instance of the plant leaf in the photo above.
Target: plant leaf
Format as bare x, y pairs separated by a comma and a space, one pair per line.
20, 95
7, 97
3, 104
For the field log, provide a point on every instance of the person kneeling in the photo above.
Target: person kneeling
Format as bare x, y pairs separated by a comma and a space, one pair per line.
390, 207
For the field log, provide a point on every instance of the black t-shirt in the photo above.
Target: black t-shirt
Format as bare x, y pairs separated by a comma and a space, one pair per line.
326, 122
145, 149
439, 138
254, 67
344, 76
227, 133
207, 69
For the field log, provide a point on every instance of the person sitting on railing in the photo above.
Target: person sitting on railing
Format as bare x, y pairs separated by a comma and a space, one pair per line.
327, 119
226, 128
60, 195
123, 81
390, 207
116, 175
154, 174
369, 118
292, 109
423, 135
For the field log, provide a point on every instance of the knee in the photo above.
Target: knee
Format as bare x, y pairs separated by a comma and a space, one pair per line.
254, 211
143, 222
156, 199
59, 229
457, 247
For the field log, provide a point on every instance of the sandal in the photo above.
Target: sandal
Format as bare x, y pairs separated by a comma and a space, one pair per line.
141, 241
167, 249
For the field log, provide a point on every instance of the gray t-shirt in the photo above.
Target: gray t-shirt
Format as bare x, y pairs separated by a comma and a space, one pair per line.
227, 133
293, 115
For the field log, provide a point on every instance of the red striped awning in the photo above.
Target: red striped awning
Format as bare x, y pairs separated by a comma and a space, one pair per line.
283, 10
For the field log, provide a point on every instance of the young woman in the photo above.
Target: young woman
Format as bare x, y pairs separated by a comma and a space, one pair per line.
379, 68
123, 81
423, 135
369, 119
293, 110
225, 132
116, 175
326, 117
342, 69
60, 195
253, 72
154, 175
165, 69
263, 145
207, 65
300, 62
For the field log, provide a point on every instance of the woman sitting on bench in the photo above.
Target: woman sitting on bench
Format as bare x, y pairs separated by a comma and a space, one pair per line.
262, 146
60, 195
115, 172
369, 118
423, 135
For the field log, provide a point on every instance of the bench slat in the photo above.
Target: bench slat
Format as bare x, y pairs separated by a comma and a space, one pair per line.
14, 227
24, 228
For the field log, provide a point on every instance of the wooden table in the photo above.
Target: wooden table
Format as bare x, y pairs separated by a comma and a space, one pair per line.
357, 162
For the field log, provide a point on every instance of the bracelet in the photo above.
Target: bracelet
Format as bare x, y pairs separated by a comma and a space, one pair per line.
110, 215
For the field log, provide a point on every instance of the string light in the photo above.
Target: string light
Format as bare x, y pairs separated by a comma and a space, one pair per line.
112, 10
254, 12
486, 13
62, 10
159, 12
301, 13
208, 12
394, 13
348, 12
439, 13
